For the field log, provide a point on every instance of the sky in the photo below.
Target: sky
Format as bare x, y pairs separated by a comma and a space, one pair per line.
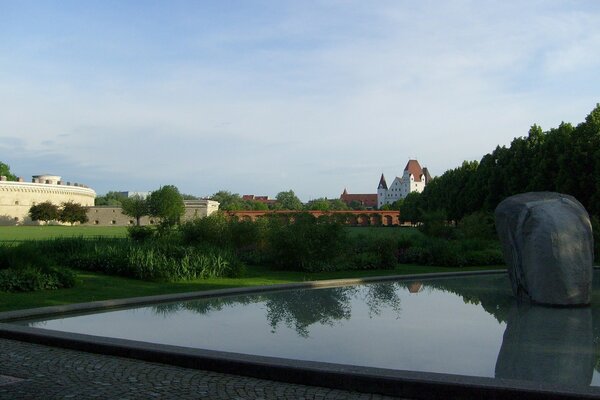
258, 97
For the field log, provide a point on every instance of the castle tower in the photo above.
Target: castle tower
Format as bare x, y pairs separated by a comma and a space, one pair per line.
381, 191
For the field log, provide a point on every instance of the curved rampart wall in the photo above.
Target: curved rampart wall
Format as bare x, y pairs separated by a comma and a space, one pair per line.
16, 198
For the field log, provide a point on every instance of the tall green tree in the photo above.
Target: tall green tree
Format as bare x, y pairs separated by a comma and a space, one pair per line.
166, 203
228, 201
135, 207
44, 212
288, 201
71, 212
5, 171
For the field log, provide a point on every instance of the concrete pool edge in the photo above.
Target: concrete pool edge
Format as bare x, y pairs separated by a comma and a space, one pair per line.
409, 384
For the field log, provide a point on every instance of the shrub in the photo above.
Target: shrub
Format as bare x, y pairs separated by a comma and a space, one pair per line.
307, 244
140, 233
435, 224
374, 252
479, 225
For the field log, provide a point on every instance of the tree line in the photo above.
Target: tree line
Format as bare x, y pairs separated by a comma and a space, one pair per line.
565, 159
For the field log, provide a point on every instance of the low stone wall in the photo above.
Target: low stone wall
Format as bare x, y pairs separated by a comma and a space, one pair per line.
113, 216
16, 198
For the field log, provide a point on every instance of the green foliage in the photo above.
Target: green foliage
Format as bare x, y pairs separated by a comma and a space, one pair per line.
71, 212
110, 199
228, 201
306, 243
288, 201
24, 269
5, 171
435, 224
140, 233
320, 204
45, 212
159, 260
357, 205
135, 207
451, 253
478, 225
167, 204
410, 208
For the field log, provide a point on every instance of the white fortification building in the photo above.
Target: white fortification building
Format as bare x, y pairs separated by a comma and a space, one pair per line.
16, 198
414, 179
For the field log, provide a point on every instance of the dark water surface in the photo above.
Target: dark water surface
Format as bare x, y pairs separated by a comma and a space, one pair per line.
468, 325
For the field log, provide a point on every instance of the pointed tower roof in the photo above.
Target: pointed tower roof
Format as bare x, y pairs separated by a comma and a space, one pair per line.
414, 169
382, 183
345, 192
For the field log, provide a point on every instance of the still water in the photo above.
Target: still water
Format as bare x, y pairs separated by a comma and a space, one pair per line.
460, 325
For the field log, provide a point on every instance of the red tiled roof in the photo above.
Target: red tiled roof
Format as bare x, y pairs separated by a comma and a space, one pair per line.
414, 169
368, 200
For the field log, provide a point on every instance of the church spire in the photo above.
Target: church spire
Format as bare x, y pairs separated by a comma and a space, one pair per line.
382, 183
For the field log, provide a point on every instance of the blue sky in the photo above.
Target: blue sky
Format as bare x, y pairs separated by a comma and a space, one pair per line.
257, 97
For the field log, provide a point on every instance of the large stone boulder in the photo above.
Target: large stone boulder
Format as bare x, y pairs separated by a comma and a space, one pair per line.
548, 245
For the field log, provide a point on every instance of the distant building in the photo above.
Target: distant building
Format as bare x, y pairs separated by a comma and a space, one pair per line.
414, 179
143, 195
16, 198
367, 200
259, 199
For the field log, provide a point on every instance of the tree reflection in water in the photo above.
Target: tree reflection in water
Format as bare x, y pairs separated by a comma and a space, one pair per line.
299, 309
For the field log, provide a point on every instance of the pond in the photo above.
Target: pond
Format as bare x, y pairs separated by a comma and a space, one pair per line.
464, 325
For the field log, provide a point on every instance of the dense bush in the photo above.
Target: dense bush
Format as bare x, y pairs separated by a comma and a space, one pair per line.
307, 243
452, 253
140, 233
479, 225
151, 260
22, 269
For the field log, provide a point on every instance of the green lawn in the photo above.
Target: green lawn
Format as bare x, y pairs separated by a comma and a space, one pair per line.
92, 286
21, 233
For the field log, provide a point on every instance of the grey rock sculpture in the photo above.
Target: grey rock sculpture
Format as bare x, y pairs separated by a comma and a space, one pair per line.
548, 245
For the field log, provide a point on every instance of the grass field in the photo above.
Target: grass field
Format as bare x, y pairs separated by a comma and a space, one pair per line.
21, 233
92, 286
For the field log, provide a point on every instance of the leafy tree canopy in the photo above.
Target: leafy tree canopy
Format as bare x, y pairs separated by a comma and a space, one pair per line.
136, 207
45, 212
228, 201
73, 212
288, 201
5, 171
166, 203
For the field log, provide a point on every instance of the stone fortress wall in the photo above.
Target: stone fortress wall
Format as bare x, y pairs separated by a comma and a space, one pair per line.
16, 198
113, 216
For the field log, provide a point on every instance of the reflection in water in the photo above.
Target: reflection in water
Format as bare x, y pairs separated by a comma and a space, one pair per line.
548, 344
543, 344
299, 309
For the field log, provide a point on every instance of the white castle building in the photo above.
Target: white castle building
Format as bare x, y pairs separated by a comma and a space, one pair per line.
414, 179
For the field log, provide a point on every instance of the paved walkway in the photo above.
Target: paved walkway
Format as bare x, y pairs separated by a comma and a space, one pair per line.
31, 371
